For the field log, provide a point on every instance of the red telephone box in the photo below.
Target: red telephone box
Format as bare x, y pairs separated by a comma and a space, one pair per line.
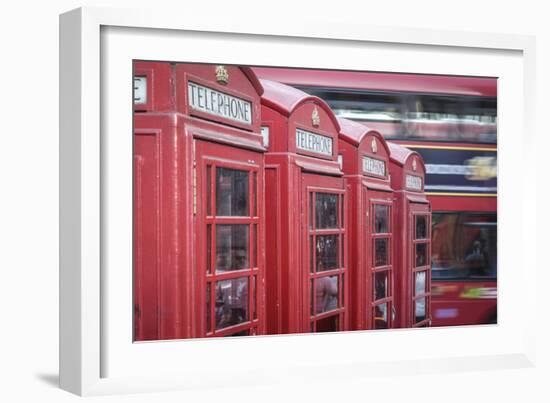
365, 159
198, 202
306, 280
412, 250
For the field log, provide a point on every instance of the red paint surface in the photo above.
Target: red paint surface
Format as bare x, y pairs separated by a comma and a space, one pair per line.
364, 190
409, 203
292, 175
172, 146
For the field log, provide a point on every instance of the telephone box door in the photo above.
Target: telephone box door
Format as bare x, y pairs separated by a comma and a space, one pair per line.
379, 262
420, 263
229, 230
323, 246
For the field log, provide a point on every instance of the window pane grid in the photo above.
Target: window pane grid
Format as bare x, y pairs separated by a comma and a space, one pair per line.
326, 244
381, 255
236, 190
381, 234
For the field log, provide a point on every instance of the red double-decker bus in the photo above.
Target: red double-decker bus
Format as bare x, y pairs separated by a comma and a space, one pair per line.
451, 122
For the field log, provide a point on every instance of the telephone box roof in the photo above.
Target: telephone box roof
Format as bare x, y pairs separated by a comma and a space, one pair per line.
354, 132
254, 80
286, 99
400, 154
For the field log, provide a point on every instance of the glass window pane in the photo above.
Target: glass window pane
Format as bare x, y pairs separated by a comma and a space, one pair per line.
231, 302
343, 287
381, 218
312, 297
342, 218
326, 210
231, 247
231, 192
420, 283
311, 208
254, 246
329, 324
342, 250
421, 227
421, 257
311, 249
254, 298
255, 193
464, 246
209, 248
420, 309
381, 285
326, 294
208, 308
381, 252
208, 186
381, 316
327, 252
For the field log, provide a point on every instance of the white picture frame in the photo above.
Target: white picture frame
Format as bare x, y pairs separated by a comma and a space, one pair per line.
97, 46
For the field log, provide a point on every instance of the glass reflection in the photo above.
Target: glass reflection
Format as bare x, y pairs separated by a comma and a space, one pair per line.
327, 252
208, 185
381, 316
464, 246
420, 309
421, 226
381, 252
208, 308
420, 283
231, 247
326, 210
231, 302
380, 285
326, 294
209, 248
381, 213
231, 192
421, 257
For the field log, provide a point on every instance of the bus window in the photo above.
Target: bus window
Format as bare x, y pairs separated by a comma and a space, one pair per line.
464, 246
416, 116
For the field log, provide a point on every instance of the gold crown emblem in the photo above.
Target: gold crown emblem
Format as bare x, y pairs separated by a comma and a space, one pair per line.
222, 76
374, 146
414, 164
315, 119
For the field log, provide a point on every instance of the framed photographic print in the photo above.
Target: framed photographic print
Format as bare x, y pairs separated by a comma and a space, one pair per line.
271, 183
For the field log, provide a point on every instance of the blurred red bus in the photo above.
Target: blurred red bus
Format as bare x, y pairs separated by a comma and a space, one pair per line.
452, 122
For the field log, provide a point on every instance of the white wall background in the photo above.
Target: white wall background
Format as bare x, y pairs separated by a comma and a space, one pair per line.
29, 198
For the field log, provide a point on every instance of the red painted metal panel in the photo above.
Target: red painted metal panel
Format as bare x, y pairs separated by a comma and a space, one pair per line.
367, 189
146, 233
297, 173
412, 307
159, 86
170, 219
